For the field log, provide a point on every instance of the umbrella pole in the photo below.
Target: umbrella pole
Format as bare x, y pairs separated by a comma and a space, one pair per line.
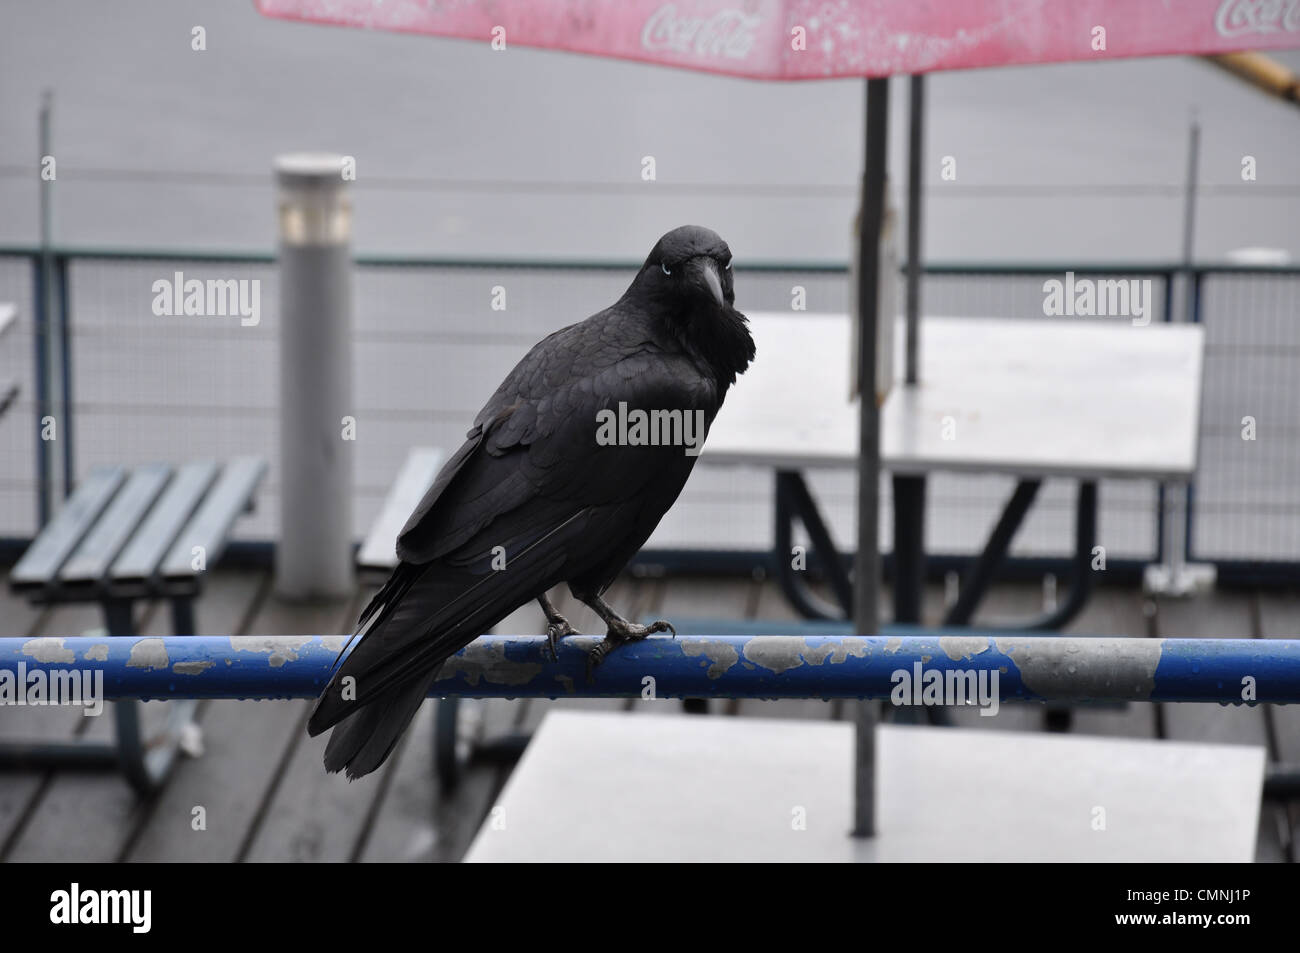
915, 140
909, 488
866, 616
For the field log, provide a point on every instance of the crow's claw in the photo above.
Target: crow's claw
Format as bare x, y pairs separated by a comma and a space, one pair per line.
555, 631
596, 654
620, 632
630, 631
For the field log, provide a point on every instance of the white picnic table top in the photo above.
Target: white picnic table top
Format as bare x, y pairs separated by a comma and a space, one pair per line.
643, 787
1061, 397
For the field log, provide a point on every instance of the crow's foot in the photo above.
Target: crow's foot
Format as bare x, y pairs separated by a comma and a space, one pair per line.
557, 626
557, 629
620, 632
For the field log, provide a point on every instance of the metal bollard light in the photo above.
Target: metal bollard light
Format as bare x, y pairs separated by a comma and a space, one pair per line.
314, 556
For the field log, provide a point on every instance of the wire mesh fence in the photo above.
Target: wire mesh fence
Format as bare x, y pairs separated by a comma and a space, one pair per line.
18, 509
433, 339
1247, 492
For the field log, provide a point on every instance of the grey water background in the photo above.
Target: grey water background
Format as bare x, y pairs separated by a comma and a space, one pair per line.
466, 153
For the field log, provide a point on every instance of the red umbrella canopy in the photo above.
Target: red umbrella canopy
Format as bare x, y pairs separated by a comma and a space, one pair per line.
817, 39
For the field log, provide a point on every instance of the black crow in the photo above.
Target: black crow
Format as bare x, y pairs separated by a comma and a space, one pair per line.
564, 475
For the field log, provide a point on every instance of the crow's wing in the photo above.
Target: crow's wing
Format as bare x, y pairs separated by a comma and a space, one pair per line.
532, 480
532, 460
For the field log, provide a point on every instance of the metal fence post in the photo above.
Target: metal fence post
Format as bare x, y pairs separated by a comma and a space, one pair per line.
53, 462
314, 556
63, 404
41, 398
866, 579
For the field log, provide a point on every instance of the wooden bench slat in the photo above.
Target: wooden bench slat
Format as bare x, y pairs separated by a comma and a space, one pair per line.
142, 556
379, 551
43, 559
210, 526
90, 562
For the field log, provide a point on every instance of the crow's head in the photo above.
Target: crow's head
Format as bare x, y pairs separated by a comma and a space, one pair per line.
691, 265
686, 280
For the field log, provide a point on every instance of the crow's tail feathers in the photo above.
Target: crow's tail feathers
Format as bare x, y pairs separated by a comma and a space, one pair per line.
360, 742
364, 738
423, 615
390, 593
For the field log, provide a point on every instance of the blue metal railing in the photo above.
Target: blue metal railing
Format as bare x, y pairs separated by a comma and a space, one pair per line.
904, 664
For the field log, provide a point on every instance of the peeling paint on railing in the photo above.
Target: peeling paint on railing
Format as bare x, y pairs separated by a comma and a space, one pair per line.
1029, 668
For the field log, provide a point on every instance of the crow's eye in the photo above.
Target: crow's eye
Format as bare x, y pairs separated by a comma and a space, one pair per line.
665, 268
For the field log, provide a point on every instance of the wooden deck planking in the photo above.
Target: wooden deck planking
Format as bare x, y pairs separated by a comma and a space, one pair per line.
245, 747
19, 786
404, 825
97, 803
230, 598
108, 810
308, 815
462, 816
68, 800
212, 781
416, 821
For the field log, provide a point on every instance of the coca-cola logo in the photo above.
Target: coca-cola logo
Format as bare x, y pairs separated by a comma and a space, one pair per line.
728, 33
1240, 17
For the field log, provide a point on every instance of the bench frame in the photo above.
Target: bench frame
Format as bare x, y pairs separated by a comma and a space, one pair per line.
124, 536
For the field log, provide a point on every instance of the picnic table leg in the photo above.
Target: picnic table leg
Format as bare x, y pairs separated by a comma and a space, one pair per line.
976, 581
1085, 538
120, 622
183, 616
909, 547
909, 573
449, 757
1060, 716
978, 577
459, 740
794, 499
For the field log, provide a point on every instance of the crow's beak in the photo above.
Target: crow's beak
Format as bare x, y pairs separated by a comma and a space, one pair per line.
704, 272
